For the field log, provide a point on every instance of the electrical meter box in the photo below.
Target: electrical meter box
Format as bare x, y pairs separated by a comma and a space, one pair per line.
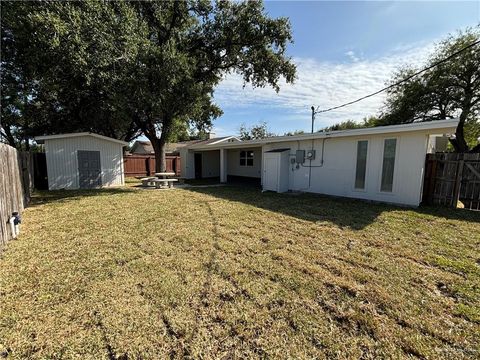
310, 155
300, 156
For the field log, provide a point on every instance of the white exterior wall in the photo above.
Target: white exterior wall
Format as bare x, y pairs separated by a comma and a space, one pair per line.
337, 175
187, 166
62, 164
210, 163
233, 163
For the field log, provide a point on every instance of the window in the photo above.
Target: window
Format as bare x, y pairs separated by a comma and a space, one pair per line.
361, 171
246, 158
389, 149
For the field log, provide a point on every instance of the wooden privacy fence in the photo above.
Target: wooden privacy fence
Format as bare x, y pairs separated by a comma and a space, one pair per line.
16, 184
453, 179
144, 165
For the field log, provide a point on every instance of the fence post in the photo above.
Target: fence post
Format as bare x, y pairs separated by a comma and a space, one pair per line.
147, 165
429, 179
458, 183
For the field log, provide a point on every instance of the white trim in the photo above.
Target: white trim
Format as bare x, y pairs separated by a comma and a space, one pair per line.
440, 126
223, 140
69, 135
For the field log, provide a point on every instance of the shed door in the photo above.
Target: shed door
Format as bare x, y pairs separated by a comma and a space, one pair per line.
89, 169
270, 181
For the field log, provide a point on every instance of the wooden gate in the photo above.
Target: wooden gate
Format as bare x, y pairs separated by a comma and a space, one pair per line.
452, 179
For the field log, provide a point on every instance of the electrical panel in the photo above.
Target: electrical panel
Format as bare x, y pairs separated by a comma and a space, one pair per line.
300, 156
310, 155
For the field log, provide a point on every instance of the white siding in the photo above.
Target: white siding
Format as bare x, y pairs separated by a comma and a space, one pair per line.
187, 163
233, 163
62, 164
337, 175
210, 163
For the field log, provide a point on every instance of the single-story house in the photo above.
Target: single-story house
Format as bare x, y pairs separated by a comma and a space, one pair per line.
382, 163
83, 160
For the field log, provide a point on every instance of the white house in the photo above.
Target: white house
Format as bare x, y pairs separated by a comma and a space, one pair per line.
83, 160
382, 163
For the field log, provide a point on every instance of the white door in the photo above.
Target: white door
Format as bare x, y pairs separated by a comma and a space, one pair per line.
270, 181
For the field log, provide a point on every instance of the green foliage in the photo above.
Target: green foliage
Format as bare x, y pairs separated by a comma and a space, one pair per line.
259, 131
65, 61
295, 132
350, 124
120, 68
451, 89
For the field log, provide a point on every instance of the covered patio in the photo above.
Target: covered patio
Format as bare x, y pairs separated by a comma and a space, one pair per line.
232, 163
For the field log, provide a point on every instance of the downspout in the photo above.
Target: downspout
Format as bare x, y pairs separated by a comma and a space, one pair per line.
310, 160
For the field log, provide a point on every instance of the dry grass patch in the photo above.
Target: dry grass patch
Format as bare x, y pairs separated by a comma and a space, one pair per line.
233, 273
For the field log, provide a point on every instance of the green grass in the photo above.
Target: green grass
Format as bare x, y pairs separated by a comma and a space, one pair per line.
228, 272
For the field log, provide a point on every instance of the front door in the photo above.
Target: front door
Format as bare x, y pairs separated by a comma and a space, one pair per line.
198, 165
89, 169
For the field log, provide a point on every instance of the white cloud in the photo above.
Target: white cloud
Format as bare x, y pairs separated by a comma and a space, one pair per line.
325, 84
351, 55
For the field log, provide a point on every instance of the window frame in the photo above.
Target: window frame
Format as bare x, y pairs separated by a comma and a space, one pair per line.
380, 173
246, 158
367, 161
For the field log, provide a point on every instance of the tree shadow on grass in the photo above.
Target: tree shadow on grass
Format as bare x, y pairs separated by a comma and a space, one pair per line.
344, 212
45, 197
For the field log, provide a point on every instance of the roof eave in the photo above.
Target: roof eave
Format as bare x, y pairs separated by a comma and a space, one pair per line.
69, 135
441, 126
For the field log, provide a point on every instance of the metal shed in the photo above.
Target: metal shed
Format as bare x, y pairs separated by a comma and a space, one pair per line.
83, 161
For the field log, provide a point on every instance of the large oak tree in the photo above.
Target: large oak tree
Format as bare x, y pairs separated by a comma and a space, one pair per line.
122, 67
451, 89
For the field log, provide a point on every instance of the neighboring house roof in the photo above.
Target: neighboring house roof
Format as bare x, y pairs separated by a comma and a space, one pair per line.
69, 135
440, 125
142, 147
145, 147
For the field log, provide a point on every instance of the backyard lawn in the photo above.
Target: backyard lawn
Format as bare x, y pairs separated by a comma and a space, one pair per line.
229, 272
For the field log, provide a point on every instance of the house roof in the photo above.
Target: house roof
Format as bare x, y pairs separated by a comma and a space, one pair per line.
212, 141
69, 135
437, 126
172, 147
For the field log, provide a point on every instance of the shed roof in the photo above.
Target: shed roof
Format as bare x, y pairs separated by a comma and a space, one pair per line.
79, 134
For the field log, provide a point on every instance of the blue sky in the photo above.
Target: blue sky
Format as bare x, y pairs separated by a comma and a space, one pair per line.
343, 50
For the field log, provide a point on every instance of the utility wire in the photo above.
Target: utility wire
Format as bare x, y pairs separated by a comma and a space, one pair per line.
317, 111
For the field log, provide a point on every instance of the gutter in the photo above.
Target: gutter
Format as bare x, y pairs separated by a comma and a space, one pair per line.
441, 126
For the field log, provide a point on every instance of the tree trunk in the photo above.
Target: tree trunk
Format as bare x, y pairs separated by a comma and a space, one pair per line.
460, 144
159, 144
159, 149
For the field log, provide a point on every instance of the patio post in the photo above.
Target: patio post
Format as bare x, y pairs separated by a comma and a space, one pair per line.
223, 165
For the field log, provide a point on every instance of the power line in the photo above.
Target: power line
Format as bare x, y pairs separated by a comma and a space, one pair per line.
399, 82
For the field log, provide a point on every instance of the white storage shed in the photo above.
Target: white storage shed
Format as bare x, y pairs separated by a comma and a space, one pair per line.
276, 165
83, 161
